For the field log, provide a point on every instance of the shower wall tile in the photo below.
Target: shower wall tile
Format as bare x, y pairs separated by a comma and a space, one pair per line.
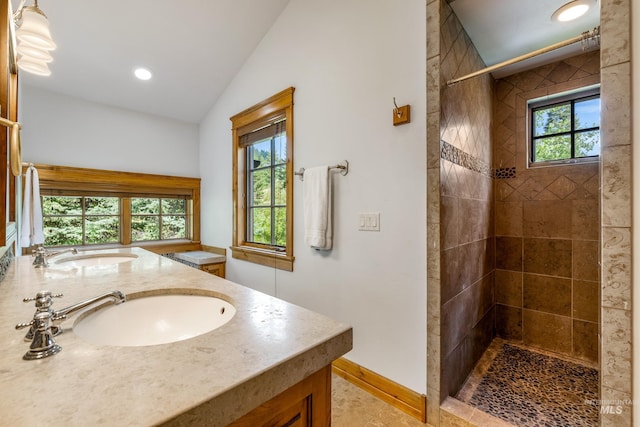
547, 218
619, 415
615, 126
586, 300
508, 288
615, 24
557, 212
585, 219
547, 256
476, 222
467, 256
433, 29
508, 219
509, 322
616, 188
548, 331
586, 260
450, 274
546, 293
585, 340
616, 261
449, 220
509, 253
616, 340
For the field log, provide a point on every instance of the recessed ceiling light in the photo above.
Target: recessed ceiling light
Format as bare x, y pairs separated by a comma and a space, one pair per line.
142, 73
572, 10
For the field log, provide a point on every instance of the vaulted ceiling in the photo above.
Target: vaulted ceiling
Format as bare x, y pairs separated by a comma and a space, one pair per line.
195, 47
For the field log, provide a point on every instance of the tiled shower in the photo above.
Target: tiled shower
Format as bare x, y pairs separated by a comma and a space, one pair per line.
547, 224
519, 246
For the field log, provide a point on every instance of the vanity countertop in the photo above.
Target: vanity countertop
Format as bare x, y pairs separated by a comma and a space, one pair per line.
267, 347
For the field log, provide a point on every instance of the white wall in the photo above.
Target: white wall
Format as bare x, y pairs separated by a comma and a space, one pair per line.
67, 131
347, 59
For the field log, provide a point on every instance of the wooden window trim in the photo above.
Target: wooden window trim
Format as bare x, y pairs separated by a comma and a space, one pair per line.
242, 123
65, 179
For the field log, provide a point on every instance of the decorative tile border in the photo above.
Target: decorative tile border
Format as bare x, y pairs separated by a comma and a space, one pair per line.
455, 155
504, 173
5, 262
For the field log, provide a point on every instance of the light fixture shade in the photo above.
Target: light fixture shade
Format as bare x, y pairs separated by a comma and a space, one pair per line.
34, 67
26, 50
34, 29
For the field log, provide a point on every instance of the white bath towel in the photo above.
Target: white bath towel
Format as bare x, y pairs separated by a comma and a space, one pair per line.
32, 233
316, 191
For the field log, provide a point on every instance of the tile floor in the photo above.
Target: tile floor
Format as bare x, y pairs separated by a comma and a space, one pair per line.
530, 388
353, 407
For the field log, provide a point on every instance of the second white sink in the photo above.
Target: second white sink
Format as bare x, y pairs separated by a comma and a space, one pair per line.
86, 260
151, 320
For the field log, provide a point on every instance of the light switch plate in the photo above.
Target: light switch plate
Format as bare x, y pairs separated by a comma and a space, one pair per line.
369, 221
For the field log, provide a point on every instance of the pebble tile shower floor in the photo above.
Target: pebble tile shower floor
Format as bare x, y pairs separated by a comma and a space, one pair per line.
528, 388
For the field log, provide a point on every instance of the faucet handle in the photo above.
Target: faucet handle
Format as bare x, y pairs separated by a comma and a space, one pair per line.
43, 345
24, 325
41, 295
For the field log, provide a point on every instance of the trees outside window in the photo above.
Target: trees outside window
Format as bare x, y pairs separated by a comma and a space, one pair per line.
566, 130
262, 138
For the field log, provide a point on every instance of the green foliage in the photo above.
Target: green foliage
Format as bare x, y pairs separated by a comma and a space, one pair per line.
267, 192
65, 225
556, 121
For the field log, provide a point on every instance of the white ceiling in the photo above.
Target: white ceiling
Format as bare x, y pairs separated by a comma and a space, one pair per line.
193, 47
504, 29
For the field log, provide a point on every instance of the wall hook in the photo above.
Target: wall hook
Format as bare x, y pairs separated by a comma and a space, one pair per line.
401, 115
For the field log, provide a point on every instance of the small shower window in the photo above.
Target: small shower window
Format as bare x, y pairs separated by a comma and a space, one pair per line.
566, 128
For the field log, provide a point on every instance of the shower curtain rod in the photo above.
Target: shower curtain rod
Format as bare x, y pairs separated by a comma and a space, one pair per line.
585, 38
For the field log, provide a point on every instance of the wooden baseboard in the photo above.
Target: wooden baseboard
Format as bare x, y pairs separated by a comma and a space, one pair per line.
398, 396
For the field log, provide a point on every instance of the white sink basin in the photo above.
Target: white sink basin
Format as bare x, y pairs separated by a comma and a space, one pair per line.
151, 320
86, 260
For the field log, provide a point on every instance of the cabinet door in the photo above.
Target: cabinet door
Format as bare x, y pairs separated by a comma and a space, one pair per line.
305, 404
216, 269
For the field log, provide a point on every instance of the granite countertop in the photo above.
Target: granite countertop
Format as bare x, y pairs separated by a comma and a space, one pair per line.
268, 346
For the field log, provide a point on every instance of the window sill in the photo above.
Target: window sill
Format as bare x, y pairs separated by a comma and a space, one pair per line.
158, 247
267, 258
565, 162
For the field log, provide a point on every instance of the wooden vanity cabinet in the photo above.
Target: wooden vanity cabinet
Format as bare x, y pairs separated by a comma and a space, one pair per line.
215, 269
306, 404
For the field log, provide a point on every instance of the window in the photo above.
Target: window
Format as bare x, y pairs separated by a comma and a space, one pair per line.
262, 187
267, 185
566, 128
78, 220
158, 219
83, 207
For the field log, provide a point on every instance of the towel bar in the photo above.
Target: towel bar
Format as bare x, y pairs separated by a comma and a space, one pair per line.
343, 166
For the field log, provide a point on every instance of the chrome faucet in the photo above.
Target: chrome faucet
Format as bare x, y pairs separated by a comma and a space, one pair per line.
42, 330
116, 296
41, 255
44, 301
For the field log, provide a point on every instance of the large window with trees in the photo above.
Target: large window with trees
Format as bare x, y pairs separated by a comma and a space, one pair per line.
87, 207
262, 185
566, 128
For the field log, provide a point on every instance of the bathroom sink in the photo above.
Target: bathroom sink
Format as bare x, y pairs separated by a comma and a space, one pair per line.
152, 320
86, 260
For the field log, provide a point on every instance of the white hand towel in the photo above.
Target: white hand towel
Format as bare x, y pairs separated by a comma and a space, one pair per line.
32, 233
316, 191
